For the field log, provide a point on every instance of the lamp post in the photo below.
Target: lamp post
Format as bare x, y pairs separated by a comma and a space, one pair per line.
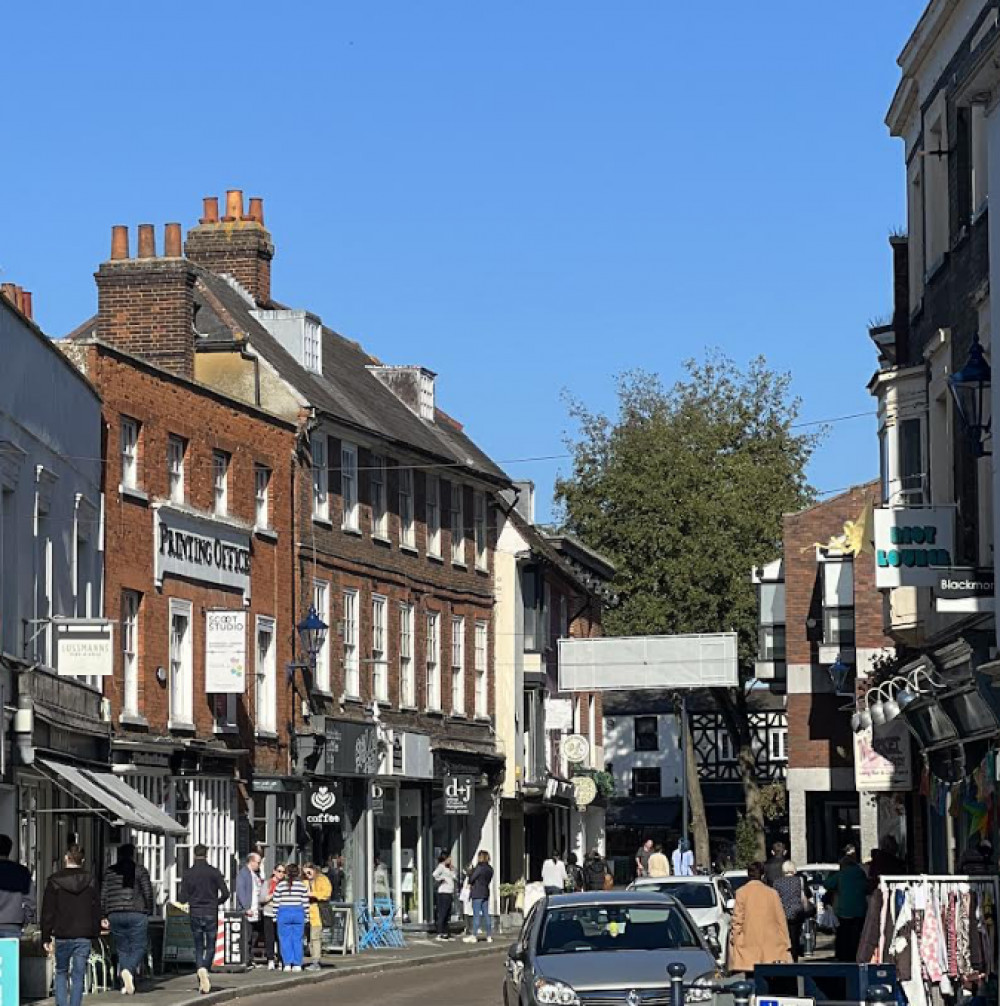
839, 673
970, 388
312, 634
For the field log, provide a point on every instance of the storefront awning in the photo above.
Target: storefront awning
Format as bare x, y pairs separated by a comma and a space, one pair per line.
112, 798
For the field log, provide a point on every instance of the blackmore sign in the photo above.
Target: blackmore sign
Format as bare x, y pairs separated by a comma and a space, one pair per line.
200, 548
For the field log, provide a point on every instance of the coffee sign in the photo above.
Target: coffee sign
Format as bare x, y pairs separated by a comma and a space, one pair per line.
200, 548
323, 807
459, 791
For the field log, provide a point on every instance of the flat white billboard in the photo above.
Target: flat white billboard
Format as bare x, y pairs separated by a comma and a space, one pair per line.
617, 663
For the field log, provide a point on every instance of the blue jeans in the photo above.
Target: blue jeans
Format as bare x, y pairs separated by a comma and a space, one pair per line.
71, 970
129, 930
204, 929
481, 910
291, 926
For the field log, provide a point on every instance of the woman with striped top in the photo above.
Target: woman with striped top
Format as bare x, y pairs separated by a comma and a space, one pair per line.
291, 900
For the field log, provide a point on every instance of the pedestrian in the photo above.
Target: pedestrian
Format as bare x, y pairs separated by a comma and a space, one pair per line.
126, 904
683, 858
17, 893
268, 916
886, 861
445, 882
248, 885
335, 874
847, 891
291, 899
773, 867
319, 893
203, 889
642, 858
480, 879
595, 869
554, 874
574, 872
759, 933
795, 903
658, 865
71, 921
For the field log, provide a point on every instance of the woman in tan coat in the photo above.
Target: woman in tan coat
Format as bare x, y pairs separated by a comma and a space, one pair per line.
759, 933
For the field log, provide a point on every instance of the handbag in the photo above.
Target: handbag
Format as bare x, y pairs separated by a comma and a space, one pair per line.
609, 882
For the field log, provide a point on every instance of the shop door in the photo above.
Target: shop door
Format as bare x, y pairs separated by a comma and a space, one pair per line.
387, 859
411, 885
834, 823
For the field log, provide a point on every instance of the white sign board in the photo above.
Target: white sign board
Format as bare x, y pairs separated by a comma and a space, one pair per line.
912, 544
200, 548
84, 648
706, 660
882, 762
559, 714
225, 652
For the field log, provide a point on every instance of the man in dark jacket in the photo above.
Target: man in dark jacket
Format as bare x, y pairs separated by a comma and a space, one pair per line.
203, 890
595, 869
17, 892
773, 867
71, 920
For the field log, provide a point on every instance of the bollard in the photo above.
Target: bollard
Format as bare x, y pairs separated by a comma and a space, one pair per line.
741, 991
676, 972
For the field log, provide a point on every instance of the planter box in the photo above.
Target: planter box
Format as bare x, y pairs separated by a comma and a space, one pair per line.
36, 977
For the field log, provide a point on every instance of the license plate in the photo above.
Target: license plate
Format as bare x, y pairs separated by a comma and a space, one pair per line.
785, 1001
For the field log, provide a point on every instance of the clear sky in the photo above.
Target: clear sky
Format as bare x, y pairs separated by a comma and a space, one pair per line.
524, 195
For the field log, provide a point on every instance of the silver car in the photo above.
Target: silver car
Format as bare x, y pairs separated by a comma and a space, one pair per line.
605, 949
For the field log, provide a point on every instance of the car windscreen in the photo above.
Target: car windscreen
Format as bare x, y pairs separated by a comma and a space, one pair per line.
582, 928
689, 895
737, 882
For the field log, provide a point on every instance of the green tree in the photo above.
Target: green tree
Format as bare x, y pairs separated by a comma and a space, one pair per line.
684, 489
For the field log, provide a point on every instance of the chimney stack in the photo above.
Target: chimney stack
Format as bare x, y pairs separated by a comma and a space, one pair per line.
26, 309
238, 245
21, 299
145, 305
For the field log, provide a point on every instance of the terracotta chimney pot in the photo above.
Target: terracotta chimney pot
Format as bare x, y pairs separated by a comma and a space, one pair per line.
256, 210
172, 241
234, 205
119, 241
211, 210
26, 304
147, 241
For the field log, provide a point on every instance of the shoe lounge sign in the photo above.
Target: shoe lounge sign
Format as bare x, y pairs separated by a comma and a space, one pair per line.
912, 544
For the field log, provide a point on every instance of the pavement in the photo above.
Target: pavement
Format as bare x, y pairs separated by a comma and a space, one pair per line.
180, 989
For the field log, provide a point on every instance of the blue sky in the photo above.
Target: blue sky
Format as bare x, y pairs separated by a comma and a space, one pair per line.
524, 196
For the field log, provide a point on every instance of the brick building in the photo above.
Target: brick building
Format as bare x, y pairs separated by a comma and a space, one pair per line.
832, 629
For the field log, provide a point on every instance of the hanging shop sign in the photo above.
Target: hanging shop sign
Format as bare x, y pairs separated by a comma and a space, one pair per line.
200, 548
84, 647
585, 790
576, 748
225, 652
882, 762
323, 805
965, 589
351, 748
378, 798
558, 714
910, 542
459, 793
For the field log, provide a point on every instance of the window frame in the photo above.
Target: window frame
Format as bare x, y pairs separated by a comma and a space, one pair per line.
221, 462
131, 608
380, 508
266, 678
350, 601
432, 661
128, 451
407, 678
407, 522
349, 486
176, 458
655, 791
637, 733
322, 679
182, 696
479, 528
456, 513
380, 648
262, 496
319, 452
457, 665
481, 645
432, 515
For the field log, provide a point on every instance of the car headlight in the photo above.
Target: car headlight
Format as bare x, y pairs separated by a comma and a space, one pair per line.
700, 991
712, 930
556, 993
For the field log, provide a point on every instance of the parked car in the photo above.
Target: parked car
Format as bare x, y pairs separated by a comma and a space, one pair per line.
709, 901
735, 878
606, 946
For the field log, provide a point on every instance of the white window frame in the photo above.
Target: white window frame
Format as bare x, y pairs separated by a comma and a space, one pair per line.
220, 482
407, 680
310, 348
176, 451
432, 516
481, 665
320, 476
376, 486
180, 673
262, 496
433, 661
778, 743
131, 625
479, 511
380, 643
350, 599
321, 602
349, 485
407, 528
265, 677
458, 665
129, 450
457, 513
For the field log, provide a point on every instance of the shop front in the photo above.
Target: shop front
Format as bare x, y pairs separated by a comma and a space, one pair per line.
547, 822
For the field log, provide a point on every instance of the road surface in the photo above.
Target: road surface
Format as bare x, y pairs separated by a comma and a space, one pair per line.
474, 981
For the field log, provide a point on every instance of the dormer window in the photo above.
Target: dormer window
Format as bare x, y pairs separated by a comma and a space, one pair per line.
426, 395
310, 347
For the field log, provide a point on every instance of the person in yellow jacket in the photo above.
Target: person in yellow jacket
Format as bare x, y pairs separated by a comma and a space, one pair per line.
319, 891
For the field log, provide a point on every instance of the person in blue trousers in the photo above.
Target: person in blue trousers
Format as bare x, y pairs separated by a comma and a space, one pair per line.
127, 903
291, 900
480, 879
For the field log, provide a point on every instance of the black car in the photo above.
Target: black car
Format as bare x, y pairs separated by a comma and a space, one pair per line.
606, 946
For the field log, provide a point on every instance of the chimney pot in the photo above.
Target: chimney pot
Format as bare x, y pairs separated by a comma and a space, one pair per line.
147, 241
9, 292
172, 241
26, 304
234, 205
119, 241
257, 210
211, 210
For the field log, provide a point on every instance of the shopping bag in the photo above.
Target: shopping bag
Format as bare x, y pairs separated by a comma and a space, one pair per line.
827, 920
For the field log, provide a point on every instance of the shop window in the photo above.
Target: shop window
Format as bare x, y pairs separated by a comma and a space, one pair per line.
433, 516
646, 734
205, 807
646, 782
376, 488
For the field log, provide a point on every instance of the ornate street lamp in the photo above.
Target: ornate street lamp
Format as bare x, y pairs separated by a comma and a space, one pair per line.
970, 387
312, 634
839, 673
